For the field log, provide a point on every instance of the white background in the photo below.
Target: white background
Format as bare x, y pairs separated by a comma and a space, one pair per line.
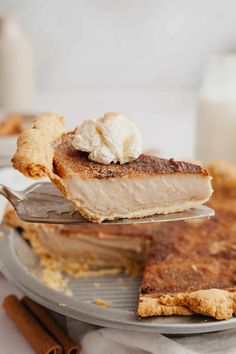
124, 43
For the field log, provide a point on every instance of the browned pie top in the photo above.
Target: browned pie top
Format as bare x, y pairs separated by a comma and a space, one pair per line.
189, 256
69, 161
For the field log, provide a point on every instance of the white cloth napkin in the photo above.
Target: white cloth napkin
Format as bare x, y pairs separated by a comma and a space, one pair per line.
105, 340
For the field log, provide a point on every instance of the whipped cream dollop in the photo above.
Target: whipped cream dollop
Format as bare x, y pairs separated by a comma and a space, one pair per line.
112, 138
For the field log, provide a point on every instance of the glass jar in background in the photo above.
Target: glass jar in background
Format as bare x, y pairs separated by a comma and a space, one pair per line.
16, 66
216, 111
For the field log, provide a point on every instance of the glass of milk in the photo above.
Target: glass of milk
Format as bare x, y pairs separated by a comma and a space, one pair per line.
16, 66
216, 115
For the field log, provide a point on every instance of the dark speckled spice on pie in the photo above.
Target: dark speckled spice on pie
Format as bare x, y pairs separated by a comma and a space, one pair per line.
69, 161
189, 256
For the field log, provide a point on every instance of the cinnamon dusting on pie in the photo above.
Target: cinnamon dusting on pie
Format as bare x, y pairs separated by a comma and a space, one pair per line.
69, 161
191, 266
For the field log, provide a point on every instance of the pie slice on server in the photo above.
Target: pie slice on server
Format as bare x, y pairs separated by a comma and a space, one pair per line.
146, 186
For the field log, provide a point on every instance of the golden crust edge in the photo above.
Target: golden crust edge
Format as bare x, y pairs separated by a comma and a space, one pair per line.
34, 153
217, 303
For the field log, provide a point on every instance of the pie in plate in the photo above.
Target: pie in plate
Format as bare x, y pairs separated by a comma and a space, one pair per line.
146, 186
189, 267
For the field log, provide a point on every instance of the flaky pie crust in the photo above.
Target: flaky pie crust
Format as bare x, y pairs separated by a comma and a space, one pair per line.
34, 154
217, 303
35, 151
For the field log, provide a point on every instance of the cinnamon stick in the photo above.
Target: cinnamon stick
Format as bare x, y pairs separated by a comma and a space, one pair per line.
29, 327
52, 326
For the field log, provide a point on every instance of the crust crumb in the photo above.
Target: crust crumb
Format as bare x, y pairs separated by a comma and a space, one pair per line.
55, 280
102, 303
194, 267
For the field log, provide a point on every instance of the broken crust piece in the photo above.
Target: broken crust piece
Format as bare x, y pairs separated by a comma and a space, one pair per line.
101, 302
146, 186
217, 303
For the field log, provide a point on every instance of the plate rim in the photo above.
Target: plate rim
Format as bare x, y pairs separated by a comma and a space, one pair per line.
57, 301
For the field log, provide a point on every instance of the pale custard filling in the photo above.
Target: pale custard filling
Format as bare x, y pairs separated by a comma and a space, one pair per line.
78, 247
140, 196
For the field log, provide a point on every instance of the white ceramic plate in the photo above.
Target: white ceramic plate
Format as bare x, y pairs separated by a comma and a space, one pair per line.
19, 263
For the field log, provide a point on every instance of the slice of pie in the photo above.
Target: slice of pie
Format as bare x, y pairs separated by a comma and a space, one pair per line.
191, 266
146, 186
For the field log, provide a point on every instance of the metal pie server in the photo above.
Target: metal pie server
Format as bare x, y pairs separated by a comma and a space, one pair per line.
43, 203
